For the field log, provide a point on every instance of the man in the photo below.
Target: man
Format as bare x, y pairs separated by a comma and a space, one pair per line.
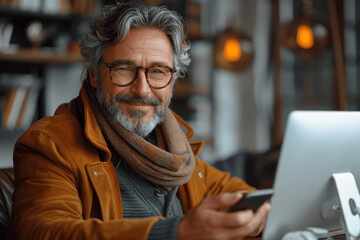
116, 163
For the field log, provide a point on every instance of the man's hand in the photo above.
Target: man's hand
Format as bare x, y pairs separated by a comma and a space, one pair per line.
206, 221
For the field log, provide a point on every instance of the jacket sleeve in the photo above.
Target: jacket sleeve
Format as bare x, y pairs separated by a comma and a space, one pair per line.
48, 202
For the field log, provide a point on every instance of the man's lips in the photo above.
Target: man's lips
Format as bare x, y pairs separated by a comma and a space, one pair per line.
138, 106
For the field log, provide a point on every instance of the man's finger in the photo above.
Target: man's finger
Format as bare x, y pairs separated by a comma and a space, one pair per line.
231, 220
254, 226
222, 200
258, 222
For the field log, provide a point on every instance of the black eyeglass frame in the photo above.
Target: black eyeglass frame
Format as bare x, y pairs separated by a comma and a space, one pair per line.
112, 65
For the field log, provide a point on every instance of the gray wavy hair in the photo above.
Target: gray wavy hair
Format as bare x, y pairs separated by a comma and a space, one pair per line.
117, 20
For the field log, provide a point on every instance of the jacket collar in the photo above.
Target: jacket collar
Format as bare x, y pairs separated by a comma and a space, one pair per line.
91, 127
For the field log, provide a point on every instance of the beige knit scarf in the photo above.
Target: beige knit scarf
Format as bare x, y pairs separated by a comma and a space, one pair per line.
167, 165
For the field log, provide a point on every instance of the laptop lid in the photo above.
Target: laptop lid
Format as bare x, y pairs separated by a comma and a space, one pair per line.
316, 145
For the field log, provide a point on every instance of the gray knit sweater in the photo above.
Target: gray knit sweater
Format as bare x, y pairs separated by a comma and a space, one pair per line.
141, 199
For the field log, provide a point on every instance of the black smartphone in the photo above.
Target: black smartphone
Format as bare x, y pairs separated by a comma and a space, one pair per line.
252, 200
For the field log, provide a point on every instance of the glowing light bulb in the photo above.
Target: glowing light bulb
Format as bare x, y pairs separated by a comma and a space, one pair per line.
304, 37
232, 50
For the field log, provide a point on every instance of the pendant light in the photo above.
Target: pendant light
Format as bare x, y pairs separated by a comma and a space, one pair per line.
307, 34
233, 50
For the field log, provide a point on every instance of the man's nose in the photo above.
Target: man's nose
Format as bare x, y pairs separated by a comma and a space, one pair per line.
140, 87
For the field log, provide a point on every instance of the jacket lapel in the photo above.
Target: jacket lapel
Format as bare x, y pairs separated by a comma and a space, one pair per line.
105, 183
190, 194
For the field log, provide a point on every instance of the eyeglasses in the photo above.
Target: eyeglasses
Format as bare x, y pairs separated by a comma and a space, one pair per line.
123, 74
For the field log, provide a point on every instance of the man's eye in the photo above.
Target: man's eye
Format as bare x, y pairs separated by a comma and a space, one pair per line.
123, 68
159, 70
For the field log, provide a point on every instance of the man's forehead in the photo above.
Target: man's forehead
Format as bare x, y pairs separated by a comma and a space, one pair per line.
149, 43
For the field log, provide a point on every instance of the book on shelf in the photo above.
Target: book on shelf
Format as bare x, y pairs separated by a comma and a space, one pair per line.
7, 102
19, 101
30, 5
6, 32
83, 7
13, 106
77, 7
51, 6
20, 118
5, 1
28, 112
57, 7
13, 3
64, 7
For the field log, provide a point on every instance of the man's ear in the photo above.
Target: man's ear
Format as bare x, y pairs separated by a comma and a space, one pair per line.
92, 75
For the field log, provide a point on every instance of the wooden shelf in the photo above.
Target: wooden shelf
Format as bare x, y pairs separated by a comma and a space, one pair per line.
17, 12
39, 56
14, 11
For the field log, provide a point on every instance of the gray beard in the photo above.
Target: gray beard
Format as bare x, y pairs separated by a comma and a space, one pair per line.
133, 123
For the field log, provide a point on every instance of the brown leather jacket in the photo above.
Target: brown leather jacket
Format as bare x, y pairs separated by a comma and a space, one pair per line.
66, 186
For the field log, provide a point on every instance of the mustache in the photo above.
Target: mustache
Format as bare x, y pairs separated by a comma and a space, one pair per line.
137, 99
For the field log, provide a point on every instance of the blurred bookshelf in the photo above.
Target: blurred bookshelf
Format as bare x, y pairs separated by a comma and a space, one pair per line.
35, 36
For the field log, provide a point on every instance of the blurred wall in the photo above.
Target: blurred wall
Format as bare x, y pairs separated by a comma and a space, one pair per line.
243, 100
62, 84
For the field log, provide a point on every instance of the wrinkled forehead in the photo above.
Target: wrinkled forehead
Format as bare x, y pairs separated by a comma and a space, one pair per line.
141, 46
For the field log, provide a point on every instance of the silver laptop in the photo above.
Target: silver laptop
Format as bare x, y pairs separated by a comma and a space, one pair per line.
316, 145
